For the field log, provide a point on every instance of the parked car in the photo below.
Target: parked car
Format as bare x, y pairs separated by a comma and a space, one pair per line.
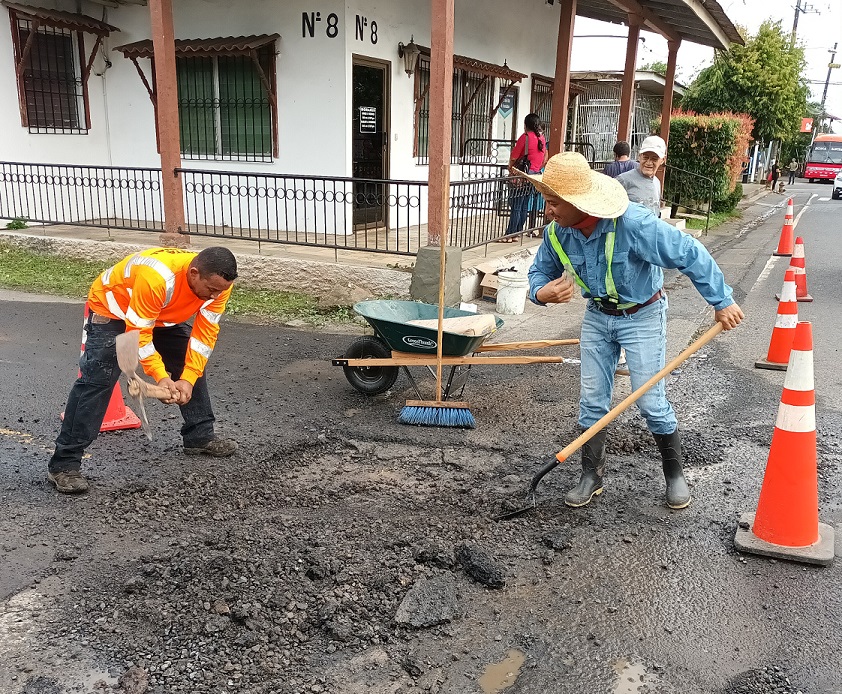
837, 186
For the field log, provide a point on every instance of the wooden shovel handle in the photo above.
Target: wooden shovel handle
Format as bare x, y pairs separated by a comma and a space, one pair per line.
147, 390
534, 344
588, 434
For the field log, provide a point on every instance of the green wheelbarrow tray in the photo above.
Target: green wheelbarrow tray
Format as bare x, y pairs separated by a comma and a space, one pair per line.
390, 319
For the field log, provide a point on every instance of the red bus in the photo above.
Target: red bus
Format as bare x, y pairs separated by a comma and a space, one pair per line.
825, 158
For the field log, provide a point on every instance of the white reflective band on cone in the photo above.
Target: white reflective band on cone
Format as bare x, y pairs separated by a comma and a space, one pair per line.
786, 320
797, 419
788, 292
799, 373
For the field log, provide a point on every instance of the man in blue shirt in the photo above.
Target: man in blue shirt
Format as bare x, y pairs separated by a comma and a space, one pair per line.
615, 253
621, 162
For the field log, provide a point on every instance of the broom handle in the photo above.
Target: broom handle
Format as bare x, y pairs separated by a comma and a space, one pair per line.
590, 432
441, 313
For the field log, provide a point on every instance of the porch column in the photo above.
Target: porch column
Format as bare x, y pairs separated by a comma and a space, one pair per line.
163, 43
561, 85
441, 108
627, 97
669, 87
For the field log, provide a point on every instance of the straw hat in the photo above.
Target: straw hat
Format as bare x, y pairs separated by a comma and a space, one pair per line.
568, 176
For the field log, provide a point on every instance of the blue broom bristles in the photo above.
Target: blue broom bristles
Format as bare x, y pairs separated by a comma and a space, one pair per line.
459, 417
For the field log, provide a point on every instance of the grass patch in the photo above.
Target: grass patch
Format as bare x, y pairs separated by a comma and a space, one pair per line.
716, 219
51, 274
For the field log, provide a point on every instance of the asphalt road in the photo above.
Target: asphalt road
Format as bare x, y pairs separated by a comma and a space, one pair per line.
332, 511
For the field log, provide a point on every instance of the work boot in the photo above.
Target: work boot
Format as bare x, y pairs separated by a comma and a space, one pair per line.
217, 447
69, 482
593, 465
678, 493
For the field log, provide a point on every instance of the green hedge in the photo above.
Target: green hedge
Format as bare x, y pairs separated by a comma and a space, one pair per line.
713, 146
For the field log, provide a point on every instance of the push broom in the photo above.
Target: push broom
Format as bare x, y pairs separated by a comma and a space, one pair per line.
437, 413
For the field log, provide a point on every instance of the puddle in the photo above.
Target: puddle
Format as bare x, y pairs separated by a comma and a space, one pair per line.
500, 676
632, 676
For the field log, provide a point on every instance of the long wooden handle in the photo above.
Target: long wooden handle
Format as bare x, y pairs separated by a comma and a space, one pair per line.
588, 434
534, 344
138, 387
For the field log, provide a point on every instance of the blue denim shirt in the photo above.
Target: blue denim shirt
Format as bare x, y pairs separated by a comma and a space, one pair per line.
643, 245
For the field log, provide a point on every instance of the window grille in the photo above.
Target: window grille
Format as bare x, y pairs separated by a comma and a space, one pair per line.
472, 115
541, 101
51, 80
225, 111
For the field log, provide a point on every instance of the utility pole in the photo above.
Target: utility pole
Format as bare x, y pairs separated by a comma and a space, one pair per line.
831, 66
807, 7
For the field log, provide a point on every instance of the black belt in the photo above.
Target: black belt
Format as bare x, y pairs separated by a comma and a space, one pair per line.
627, 311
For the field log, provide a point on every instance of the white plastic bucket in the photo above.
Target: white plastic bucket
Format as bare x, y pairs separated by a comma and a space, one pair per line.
511, 293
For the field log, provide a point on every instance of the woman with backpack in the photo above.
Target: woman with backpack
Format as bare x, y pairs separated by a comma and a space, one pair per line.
529, 156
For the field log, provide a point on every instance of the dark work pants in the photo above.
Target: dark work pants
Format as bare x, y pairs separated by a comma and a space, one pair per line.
791, 177
90, 395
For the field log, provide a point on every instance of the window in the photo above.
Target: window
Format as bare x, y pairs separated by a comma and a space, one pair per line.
225, 111
52, 66
227, 95
542, 100
474, 107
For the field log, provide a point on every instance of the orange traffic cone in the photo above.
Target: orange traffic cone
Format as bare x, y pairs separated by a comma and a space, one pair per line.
780, 345
786, 524
785, 243
117, 416
800, 264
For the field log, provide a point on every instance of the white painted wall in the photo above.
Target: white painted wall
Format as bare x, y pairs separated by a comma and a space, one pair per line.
313, 75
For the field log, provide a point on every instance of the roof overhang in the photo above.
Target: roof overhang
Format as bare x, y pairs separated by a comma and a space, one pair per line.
228, 45
646, 80
503, 71
697, 21
60, 19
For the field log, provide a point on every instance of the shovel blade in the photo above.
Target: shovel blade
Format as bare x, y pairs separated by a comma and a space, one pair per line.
127, 345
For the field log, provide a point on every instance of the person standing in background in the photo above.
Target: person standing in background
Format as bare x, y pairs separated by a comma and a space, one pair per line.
621, 162
641, 184
793, 169
529, 156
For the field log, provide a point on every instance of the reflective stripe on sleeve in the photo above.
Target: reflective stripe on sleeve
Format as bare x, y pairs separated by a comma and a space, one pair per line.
166, 274
200, 348
211, 316
106, 275
135, 319
146, 351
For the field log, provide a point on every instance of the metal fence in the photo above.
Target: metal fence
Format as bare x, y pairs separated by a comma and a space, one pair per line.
98, 196
381, 216
689, 194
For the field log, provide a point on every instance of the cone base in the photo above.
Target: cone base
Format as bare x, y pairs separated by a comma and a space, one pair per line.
782, 255
820, 553
771, 365
129, 421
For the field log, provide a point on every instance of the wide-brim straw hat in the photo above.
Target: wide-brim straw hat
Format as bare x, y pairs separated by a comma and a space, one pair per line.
568, 176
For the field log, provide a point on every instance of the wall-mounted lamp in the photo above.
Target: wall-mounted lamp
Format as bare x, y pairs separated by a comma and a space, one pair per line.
410, 54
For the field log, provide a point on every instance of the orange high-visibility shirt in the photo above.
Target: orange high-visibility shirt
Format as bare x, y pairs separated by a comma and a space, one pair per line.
149, 289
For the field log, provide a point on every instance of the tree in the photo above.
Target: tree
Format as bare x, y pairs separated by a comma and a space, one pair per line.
658, 66
763, 78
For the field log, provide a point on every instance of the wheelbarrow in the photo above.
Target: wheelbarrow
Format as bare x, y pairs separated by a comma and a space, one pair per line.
372, 363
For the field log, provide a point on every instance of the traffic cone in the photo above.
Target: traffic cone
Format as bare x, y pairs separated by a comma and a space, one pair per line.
117, 416
780, 345
786, 524
785, 245
799, 264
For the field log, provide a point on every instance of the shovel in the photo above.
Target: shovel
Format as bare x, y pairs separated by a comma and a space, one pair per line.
588, 434
127, 358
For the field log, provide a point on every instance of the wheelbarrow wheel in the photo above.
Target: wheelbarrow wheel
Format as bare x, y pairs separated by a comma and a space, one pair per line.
370, 380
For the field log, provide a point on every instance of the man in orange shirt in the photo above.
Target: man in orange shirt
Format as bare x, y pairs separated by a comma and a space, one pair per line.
155, 292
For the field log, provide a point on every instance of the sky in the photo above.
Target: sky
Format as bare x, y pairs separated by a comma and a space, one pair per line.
818, 29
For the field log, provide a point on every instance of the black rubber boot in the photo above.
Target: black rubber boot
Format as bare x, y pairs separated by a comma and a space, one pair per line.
593, 465
678, 493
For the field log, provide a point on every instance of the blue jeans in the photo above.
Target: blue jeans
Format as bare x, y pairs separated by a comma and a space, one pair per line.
519, 202
89, 397
644, 337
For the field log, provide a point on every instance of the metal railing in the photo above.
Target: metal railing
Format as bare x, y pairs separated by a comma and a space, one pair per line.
688, 191
374, 215
99, 196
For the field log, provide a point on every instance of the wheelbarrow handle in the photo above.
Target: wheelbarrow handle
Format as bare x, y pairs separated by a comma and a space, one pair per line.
534, 344
589, 433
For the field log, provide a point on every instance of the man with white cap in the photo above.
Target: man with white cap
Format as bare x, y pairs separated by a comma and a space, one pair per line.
615, 253
640, 183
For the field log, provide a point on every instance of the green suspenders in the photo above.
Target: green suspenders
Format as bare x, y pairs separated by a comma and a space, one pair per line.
613, 299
